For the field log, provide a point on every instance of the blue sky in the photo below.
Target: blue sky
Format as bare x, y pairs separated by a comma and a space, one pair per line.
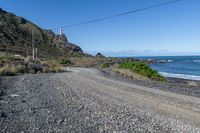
168, 30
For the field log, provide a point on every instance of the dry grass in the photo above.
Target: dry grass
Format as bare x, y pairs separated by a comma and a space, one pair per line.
83, 62
11, 70
11, 66
51, 66
129, 74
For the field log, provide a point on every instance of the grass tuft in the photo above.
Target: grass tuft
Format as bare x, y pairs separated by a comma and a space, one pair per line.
52, 66
64, 61
11, 70
16, 65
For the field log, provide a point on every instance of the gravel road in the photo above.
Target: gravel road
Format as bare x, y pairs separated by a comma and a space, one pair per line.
85, 100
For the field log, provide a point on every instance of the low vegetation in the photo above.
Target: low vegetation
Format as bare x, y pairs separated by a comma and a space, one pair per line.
51, 66
128, 73
105, 65
15, 65
142, 69
7, 58
64, 61
11, 70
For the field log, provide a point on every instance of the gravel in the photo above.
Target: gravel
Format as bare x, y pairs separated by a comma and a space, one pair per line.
86, 100
175, 85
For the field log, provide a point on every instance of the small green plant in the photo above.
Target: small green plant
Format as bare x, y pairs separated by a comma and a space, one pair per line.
142, 69
8, 58
105, 65
64, 61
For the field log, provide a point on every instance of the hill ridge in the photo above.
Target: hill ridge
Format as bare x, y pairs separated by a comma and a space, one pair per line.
16, 38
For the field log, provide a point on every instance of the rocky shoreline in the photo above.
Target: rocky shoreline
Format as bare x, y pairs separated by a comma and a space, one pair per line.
175, 85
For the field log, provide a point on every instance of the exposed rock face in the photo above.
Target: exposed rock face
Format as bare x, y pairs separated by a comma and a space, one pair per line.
100, 55
55, 38
62, 41
63, 38
74, 48
16, 37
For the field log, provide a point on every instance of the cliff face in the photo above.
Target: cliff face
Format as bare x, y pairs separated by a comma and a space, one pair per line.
62, 41
16, 37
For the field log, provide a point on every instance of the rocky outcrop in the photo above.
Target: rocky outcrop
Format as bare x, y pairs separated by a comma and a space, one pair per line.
74, 48
99, 55
62, 41
55, 38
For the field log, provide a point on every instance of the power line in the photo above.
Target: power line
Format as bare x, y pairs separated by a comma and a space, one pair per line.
120, 14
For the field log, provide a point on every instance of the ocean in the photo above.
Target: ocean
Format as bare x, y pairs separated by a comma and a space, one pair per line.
186, 67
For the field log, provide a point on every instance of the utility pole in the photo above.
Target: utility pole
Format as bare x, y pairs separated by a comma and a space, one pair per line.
36, 53
33, 46
27, 51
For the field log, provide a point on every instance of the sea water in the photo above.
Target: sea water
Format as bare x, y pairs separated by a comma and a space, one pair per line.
186, 67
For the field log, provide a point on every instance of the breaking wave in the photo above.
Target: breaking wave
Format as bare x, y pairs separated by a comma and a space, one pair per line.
196, 61
183, 76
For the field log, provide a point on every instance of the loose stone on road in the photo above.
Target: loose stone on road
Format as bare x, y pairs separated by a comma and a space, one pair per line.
84, 100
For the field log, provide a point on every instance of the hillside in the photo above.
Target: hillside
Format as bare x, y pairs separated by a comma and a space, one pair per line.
16, 38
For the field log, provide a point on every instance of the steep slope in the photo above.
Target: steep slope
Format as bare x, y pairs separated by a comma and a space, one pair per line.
16, 37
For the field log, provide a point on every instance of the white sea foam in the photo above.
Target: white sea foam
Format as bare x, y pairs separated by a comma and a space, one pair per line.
165, 61
197, 61
170, 61
183, 76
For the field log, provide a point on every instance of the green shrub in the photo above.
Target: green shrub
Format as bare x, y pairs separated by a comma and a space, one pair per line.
9, 58
64, 61
142, 69
105, 65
